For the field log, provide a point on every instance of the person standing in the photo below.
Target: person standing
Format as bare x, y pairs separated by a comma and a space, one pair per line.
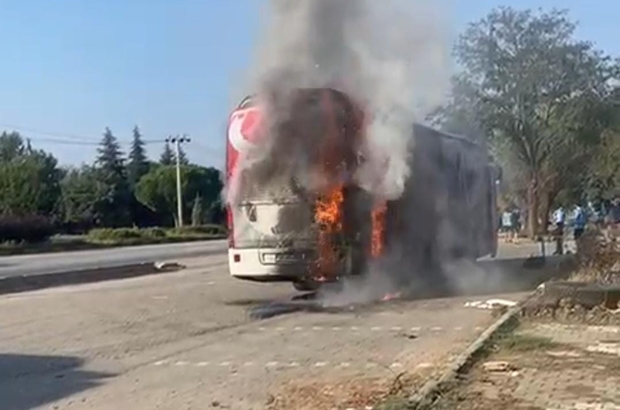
581, 220
515, 223
559, 218
507, 224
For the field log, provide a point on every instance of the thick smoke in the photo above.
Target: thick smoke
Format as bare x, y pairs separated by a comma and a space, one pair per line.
389, 55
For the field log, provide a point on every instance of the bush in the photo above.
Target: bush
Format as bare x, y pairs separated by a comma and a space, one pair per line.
25, 228
202, 230
155, 233
113, 235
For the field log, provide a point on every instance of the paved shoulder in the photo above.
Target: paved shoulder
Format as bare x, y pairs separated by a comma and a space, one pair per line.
104, 258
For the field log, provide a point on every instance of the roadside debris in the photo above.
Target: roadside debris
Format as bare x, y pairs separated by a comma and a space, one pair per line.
491, 304
605, 347
498, 366
565, 353
168, 266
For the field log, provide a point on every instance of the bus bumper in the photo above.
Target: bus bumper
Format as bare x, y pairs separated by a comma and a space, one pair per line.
269, 265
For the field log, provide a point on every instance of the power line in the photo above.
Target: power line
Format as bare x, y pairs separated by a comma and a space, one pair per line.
68, 138
50, 133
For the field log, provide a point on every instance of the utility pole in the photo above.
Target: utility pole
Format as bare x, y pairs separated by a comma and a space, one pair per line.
177, 141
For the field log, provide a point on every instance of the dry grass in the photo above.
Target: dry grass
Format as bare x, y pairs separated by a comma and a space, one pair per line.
598, 258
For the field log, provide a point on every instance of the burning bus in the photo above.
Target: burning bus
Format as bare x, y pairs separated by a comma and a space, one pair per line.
296, 211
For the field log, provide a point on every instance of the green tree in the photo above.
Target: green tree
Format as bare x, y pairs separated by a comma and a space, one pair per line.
540, 96
138, 164
84, 197
604, 171
110, 156
167, 156
115, 208
182, 157
157, 189
29, 178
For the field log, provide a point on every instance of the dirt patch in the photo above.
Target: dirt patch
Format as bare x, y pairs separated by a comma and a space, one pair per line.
356, 393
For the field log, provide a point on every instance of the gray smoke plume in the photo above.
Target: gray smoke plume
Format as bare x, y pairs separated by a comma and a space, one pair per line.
391, 58
389, 55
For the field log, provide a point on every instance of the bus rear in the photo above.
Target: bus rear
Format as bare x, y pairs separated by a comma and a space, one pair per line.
288, 188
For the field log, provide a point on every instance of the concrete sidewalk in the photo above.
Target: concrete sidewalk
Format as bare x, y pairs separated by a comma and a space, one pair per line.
545, 365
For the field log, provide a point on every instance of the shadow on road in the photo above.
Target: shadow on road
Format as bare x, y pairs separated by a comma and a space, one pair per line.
28, 381
487, 277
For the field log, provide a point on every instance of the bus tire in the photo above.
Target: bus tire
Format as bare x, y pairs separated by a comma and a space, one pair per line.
306, 285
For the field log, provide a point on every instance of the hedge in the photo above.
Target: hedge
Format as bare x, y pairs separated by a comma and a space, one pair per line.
153, 235
25, 228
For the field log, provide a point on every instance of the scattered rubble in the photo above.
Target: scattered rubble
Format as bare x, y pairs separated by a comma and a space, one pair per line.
605, 347
498, 366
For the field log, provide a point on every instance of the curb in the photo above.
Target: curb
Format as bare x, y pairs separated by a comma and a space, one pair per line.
429, 391
24, 283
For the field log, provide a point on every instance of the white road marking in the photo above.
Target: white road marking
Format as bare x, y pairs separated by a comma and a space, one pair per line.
320, 364
272, 364
202, 364
416, 329
161, 362
424, 366
317, 328
181, 363
436, 328
344, 364
225, 364
397, 328
336, 328
248, 364
298, 328
210, 283
355, 328
396, 365
376, 328
279, 329
293, 364
458, 328
262, 329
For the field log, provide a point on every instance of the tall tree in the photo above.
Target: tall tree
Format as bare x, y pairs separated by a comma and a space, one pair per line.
115, 209
182, 157
109, 155
541, 96
167, 156
138, 164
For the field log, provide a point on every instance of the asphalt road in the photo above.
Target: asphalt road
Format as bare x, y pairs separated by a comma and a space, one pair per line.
104, 258
188, 340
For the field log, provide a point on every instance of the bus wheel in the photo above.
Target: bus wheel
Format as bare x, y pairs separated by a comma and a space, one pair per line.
306, 285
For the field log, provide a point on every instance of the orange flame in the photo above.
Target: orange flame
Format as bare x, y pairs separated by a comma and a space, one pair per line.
328, 215
378, 230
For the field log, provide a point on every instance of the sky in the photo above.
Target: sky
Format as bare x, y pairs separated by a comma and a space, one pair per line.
70, 68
